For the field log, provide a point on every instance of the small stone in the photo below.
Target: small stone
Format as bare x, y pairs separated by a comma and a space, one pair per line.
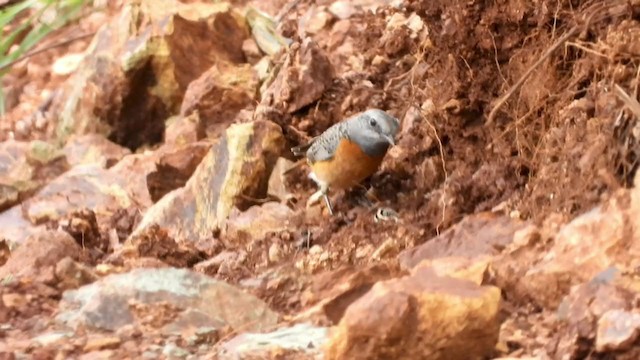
97, 355
173, 351
384, 249
102, 343
51, 338
342, 9
316, 250
67, 64
275, 253
364, 251
304, 340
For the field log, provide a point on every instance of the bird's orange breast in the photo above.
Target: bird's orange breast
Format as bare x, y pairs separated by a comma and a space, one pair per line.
348, 167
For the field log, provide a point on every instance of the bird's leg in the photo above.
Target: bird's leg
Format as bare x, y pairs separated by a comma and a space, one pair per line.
328, 203
321, 193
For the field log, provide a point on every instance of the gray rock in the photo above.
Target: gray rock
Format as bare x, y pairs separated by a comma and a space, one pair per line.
304, 338
617, 330
173, 351
106, 304
51, 338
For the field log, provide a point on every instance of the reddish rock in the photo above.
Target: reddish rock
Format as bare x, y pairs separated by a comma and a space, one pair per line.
174, 167
603, 237
92, 187
37, 257
234, 172
277, 183
93, 149
25, 167
138, 68
218, 95
305, 75
483, 234
474, 270
331, 293
168, 300
396, 320
182, 130
580, 311
258, 221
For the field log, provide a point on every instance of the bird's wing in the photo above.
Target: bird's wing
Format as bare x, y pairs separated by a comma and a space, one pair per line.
324, 146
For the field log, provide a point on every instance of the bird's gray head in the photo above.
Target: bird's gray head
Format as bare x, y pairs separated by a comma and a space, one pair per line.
374, 130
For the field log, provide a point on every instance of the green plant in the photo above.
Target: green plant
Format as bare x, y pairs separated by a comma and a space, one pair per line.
44, 16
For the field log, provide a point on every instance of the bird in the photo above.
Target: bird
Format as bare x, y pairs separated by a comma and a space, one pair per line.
348, 152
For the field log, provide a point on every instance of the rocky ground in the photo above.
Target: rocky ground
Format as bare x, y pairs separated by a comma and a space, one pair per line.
151, 208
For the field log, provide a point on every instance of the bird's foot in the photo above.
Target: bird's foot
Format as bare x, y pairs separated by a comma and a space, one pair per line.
315, 198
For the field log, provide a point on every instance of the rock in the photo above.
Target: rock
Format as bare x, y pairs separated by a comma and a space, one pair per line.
87, 186
97, 355
617, 330
251, 51
173, 351
218, 95
106, 304
474, 270
603, 237
66, 64
93, 149
154, 242
263, 30
298, 341
25, 167
5, 314
257, 221
174, 167
95, 343
130, 174
305, 75
72, 275
51, 338
580, 311
332, 292
478, 235
342, 9
5, 252
224, 263
182, 130
15, 227
39, 254
316, 21
137, 69
233, 172
396, 320
277, 187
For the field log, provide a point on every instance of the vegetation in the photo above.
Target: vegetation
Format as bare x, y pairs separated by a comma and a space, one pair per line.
24, 24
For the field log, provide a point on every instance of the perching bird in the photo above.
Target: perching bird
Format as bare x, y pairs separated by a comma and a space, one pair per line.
348, 152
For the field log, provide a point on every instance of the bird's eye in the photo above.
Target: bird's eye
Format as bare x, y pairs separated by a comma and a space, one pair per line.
373, 122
